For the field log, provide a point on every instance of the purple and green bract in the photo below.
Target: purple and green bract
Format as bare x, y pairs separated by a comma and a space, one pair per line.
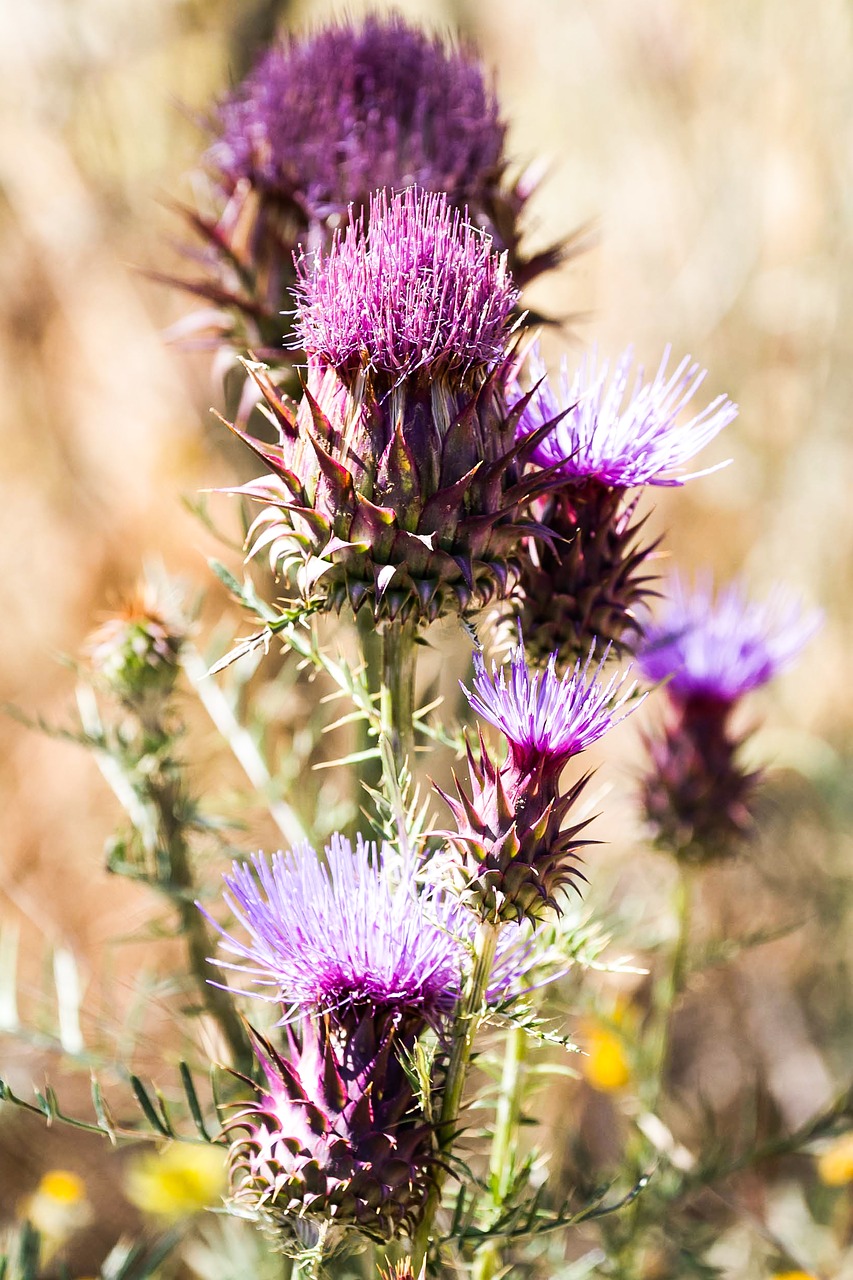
719, 648
418, 289
322, 121
620, 437
546, 718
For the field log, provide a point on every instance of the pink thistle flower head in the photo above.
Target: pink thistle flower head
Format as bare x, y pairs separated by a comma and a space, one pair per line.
353, 932
343, 931
718, 648
546, 718
416, 288
617, 437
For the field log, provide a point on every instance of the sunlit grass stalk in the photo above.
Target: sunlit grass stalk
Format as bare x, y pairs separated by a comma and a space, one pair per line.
671, 988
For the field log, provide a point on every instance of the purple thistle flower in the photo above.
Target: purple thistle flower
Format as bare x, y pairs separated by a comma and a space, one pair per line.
620, 444
419, 288
401, 486
548, 719
718, 649
324, 120
355, 931
346, 932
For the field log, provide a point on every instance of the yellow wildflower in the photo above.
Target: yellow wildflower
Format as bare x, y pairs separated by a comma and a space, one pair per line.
605, 1065
178, 1181
57, 1208
793, 1275
835, 1164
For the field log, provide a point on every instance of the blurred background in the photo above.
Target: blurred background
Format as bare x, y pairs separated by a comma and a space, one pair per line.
711, 144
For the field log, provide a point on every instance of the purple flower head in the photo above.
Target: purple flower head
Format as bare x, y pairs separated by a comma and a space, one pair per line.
343, 932
622, 443
356, 931
718, 649
324, 120
418, 288
547, 719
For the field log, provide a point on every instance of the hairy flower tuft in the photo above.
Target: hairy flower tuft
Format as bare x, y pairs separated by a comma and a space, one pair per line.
619, 438
343, 931
416, 287
722, 647
326, 119
547, 718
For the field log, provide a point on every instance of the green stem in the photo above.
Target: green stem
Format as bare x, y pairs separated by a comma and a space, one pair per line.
471, 1010
369, 770
502, 1161
155, 809
673, 986
217, 1000
397, 691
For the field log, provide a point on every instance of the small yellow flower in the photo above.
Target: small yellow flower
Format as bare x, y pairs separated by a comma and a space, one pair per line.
57, 1208
605, 1065
178, 1181
835, 1165
793, 1275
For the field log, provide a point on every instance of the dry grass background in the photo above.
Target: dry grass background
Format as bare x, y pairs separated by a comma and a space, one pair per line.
713, 144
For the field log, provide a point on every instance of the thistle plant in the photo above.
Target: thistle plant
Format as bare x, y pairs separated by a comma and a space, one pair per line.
712, 651
512, 851
398, 485
319, 124
607, 443
424, 470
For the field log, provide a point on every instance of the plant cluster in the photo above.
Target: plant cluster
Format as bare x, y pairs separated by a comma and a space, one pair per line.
420, 463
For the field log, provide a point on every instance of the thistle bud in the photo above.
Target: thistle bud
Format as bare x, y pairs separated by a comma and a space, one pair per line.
695, 792
590, 577
511, 851
136, 652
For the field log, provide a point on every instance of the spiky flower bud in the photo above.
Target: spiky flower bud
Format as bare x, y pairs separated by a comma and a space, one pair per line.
398, 483
511, 851
696, 794
335, 1135
136, 651
606, 441
319, 124
369, 958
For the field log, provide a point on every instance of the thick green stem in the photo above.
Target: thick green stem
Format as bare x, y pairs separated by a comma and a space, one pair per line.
397, 691
369, 769
471, 1010
502, 1161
